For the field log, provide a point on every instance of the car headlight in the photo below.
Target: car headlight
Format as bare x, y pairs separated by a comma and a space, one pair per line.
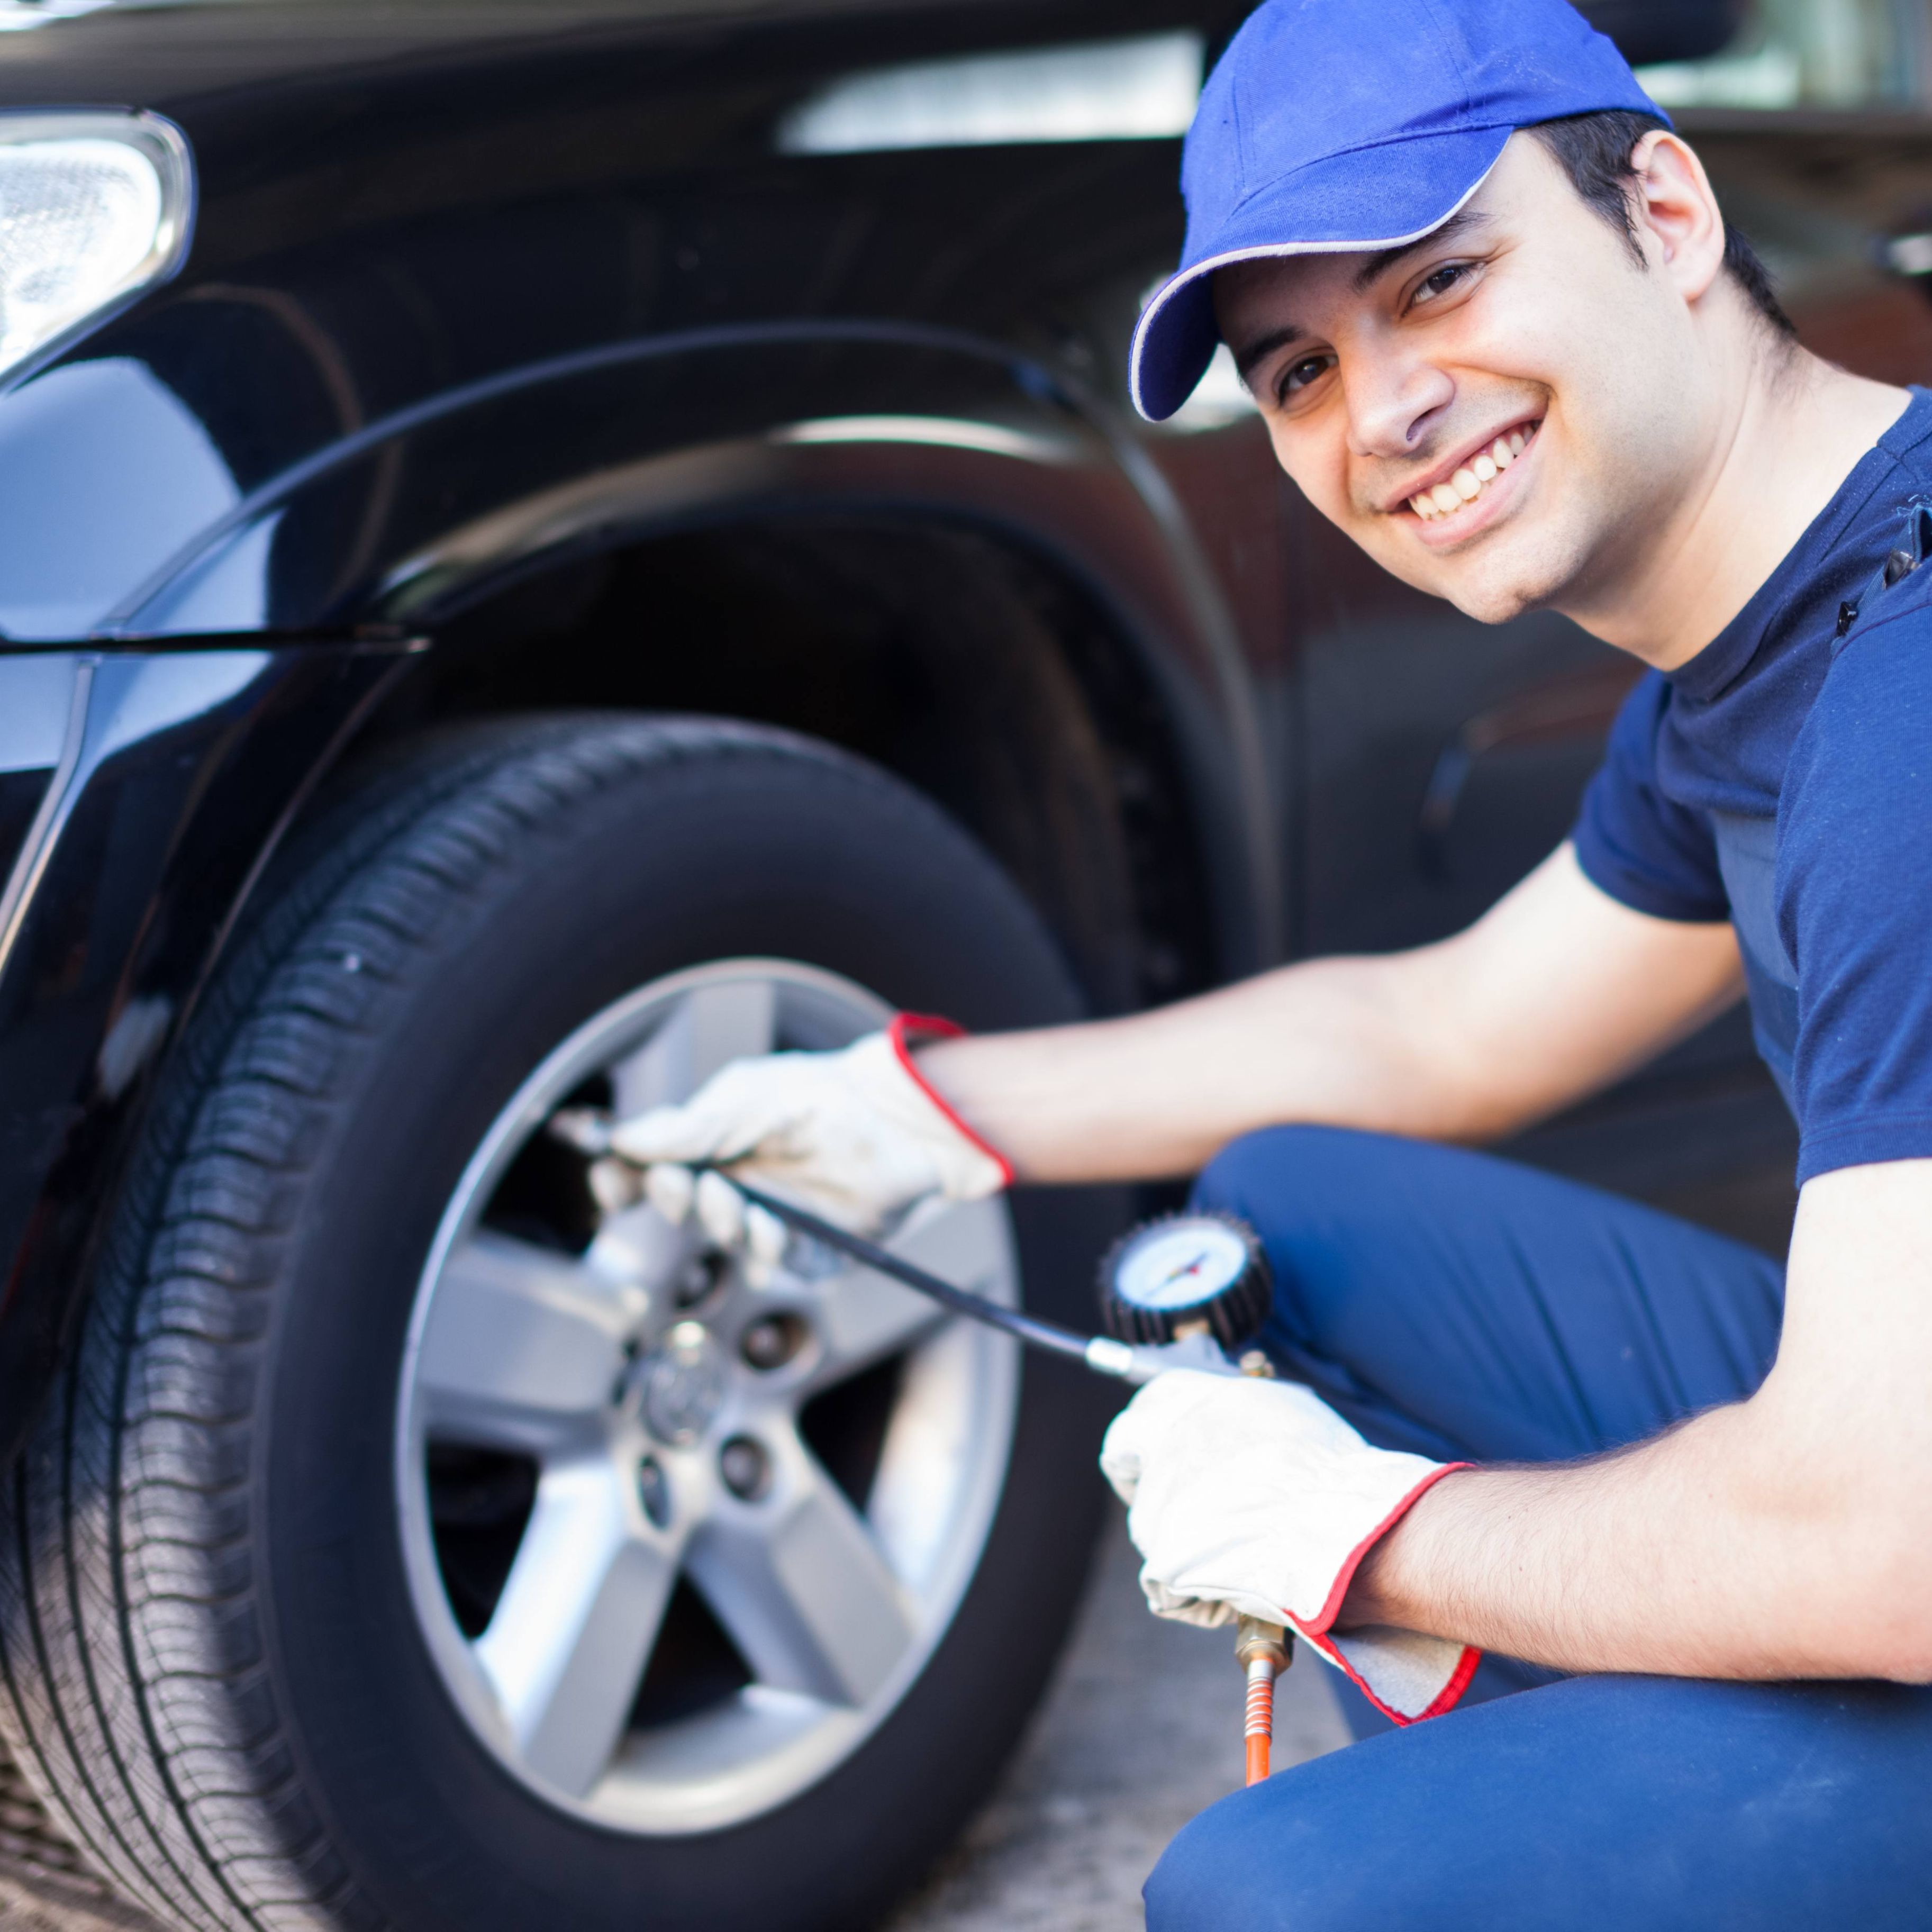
94, 208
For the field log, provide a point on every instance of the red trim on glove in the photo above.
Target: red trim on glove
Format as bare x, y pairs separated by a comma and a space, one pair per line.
931, 1026
1452, 1691
1447, 1698
1316, 1630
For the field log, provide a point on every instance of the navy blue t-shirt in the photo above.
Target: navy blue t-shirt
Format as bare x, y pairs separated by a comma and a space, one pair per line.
1782, 779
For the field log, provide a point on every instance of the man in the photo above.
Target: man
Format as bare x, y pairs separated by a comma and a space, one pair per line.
1487, 304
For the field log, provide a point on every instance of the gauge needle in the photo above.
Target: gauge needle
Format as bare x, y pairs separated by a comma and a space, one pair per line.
1194, 1267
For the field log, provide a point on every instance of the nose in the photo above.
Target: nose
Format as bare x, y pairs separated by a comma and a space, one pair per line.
1392, 399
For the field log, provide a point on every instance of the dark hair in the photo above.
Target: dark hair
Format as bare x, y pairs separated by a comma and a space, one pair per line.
1595, 152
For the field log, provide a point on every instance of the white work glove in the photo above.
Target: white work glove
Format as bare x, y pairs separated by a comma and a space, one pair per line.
856, 1136
1253, 1497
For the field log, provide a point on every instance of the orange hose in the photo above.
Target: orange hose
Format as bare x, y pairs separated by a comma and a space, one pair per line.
1260, 1729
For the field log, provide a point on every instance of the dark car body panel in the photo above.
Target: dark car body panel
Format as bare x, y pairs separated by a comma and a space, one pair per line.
475, 291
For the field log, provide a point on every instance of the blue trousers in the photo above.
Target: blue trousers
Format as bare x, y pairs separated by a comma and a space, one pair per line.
1466, 1307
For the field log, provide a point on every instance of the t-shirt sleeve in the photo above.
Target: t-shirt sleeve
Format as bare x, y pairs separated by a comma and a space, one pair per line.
1637, 844
1854, 900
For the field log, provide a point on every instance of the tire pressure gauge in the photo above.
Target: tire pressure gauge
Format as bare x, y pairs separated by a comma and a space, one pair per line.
1185, 1271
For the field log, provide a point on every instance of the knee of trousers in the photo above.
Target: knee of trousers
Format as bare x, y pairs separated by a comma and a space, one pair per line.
1189, 1890
1225, 1871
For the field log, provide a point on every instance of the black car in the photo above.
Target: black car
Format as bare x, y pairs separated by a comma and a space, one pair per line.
545, 544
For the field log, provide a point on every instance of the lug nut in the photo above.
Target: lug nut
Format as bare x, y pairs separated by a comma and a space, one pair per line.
654, 1491
746, 1468
772, 1341
699, 1277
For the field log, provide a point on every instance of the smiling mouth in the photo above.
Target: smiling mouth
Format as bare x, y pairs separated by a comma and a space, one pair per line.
1469, 483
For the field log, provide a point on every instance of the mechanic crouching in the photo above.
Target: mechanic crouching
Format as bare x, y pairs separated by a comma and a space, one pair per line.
1677, 1500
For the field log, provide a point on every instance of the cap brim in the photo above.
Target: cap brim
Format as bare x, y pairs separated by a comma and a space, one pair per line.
1370, 198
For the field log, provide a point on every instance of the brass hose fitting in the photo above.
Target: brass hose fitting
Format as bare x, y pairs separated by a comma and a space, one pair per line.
1262, 1650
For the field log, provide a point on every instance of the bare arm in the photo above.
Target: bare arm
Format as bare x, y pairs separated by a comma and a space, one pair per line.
1787, 1536
1556, 991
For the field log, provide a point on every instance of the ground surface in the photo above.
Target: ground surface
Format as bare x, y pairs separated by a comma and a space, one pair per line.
1141, 1729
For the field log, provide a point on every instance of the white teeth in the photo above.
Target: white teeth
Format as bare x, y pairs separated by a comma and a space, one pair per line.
1468, 481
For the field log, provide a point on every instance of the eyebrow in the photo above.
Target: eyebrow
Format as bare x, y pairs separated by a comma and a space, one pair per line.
1371, 272
1265, 345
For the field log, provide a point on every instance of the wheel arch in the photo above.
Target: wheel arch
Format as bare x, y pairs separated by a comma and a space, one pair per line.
962, 660
452, 506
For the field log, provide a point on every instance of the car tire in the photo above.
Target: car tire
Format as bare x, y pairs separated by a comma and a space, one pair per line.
212, 1672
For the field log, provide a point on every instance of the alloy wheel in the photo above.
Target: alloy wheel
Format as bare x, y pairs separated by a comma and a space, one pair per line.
678, 1539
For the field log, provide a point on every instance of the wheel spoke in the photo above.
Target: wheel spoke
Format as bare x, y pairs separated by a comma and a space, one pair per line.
967, 1242
734, 1019
802, 1588
523, 1347
864, 1317
565, 1650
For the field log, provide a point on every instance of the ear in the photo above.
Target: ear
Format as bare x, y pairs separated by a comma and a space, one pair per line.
1678, 221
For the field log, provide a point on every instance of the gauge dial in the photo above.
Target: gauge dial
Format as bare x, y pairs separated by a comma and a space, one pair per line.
1178, 1264
1184, 1269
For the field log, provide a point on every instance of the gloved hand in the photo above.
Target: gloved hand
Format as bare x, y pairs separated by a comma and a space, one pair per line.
1252, 1497
856, 1136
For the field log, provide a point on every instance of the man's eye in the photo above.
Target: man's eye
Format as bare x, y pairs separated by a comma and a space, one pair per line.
1299, 375
1439, 282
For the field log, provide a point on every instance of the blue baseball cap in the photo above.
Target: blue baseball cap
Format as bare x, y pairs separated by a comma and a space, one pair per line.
1333, 126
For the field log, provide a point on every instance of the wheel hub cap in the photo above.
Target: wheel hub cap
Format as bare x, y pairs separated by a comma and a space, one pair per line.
683, 1385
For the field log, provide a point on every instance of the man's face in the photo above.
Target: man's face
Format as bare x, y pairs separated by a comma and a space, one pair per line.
1506, 414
